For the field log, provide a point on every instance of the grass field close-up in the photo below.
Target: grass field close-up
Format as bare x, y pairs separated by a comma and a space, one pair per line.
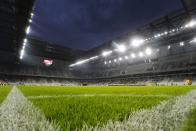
76, 107
4, 90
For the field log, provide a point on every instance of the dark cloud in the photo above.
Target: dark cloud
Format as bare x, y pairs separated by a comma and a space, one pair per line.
84, 24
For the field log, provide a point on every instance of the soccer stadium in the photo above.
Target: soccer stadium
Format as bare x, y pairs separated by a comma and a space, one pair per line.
141, 78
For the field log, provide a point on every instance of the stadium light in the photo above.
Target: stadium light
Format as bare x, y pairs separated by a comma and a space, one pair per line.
136, 42
21, 54
190, 24
181, 43
25, 40
94, 57
193, 41
121, 48
133, 55
148, 51
28, 30
115, 60
32, 15
120, 58
106, 53
169, 47
126, 57
30, 21
141, 54
105, 62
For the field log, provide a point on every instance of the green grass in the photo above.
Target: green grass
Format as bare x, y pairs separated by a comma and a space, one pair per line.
77, 111
4, 90
142, 90
190, 123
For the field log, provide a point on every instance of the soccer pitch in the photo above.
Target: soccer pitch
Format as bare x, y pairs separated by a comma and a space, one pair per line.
105, 107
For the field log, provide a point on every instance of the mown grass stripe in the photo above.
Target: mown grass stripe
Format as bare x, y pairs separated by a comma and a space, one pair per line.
93, 95
18, 114
168, 116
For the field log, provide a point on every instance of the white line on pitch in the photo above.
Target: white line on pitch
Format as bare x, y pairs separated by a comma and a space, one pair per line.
167, 116
93, 95
18, 114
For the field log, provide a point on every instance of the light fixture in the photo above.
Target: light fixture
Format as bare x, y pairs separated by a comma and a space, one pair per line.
169, 47
126, 57
136, 42
181, 43
148, 51
106, 53
133, 55
121, 48
141, 54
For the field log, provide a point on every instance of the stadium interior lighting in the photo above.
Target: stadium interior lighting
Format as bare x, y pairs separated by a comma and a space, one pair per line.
181, 43
105, 62
136, 42
141, 54
94, 57
126, 57
169, 47
110, 61
193, 41
106, 53
28, 30
190, 24
121, 48
115, 60
32, 15
133, 55
148, 51
25, 40
120, 58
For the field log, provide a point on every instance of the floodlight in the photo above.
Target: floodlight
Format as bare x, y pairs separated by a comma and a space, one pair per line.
191, 24
25, 40
193, 41
120, 59
110, 61
105, 62
24, 44
181, 43
169, 47
28, 30
115, 60
94, 57
21, 57
148, 51
126, 57
121, 48
106, 53
32, 15
136, 42
30, 20
165, 32
141, 54
133, 55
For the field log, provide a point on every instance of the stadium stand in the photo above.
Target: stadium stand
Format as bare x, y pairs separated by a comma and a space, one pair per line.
171, 40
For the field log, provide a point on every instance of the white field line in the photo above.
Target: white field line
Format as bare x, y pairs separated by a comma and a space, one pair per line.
18, 114
93, 95
167, 116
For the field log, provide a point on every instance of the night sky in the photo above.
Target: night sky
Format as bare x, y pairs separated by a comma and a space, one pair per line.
85, 24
